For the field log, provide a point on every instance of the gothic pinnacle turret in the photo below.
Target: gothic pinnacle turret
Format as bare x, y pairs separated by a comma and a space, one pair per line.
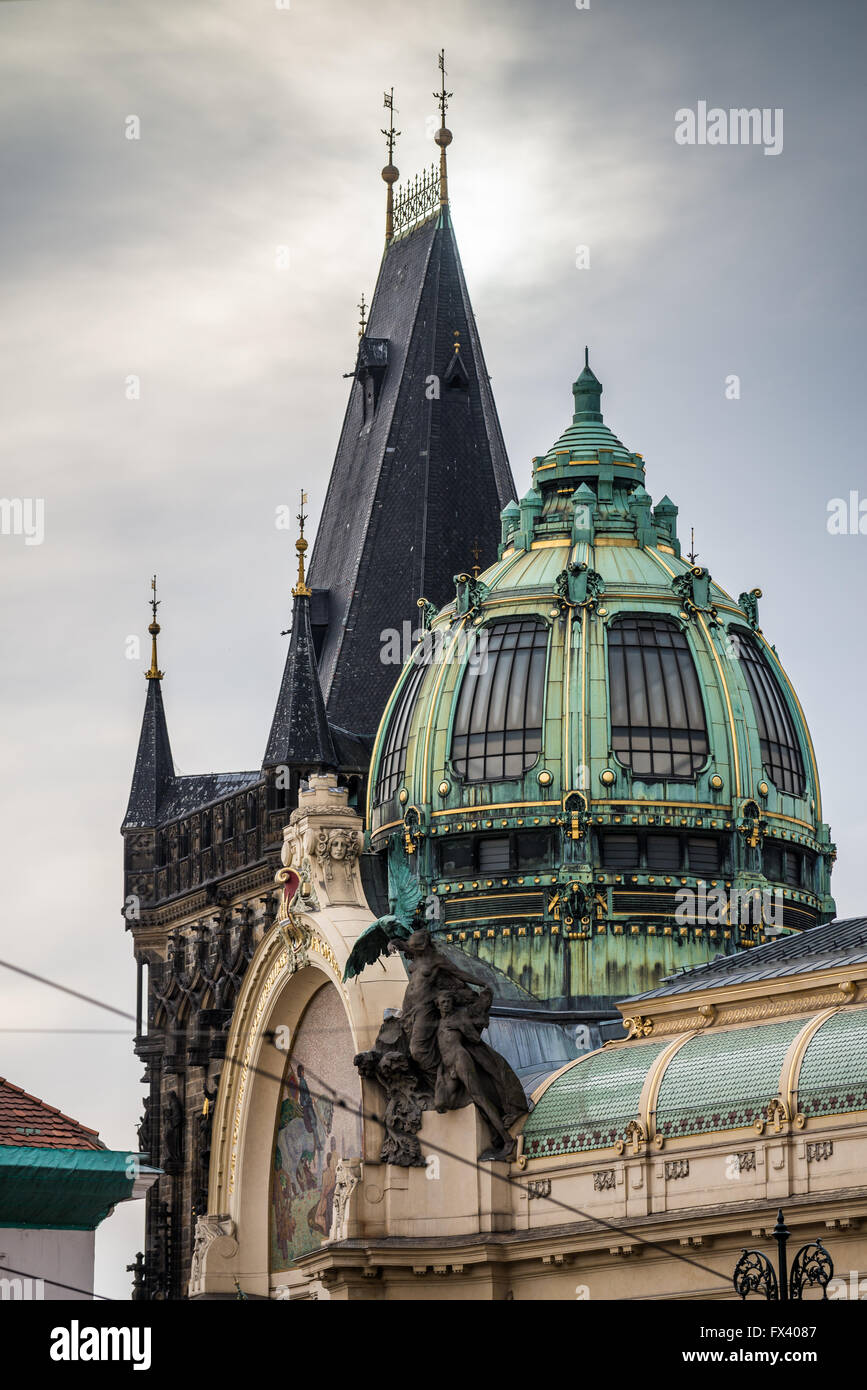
300, 736
154, 770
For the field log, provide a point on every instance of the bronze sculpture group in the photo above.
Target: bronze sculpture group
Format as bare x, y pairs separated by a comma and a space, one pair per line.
431, 1055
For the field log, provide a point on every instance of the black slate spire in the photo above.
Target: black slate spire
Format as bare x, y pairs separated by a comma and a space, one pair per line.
421, 471
300, 737
154, 771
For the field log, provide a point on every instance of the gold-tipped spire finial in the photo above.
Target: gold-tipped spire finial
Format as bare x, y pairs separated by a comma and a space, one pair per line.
154, 674
390, 172
477, 555
301, 589
443, 136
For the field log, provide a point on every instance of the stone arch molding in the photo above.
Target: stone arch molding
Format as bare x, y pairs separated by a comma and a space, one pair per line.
305, 950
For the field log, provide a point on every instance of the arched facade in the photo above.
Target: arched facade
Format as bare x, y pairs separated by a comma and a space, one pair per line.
299, 961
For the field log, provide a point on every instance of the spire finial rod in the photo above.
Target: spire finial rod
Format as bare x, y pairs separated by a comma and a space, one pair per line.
301, 589
362, 323
390, 172
586, 357
443, 136
154, 674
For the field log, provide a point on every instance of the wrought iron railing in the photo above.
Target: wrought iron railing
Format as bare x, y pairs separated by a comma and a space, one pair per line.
416, 200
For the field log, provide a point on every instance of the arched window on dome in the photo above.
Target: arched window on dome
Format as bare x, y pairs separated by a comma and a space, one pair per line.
392, 759
498, 723
657, 718
781, 750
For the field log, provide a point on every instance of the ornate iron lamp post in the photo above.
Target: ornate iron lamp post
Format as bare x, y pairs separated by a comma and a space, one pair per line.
811, 1268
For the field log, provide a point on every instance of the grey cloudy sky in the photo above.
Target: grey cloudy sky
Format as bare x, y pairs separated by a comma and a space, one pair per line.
157, 257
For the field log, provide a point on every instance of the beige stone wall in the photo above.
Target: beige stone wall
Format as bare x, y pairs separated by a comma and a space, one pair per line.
672, 1225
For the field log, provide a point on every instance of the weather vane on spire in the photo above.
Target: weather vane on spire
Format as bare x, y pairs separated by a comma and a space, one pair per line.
390, 172
443, 136
301, 589
442, 95
391, 134
154, 674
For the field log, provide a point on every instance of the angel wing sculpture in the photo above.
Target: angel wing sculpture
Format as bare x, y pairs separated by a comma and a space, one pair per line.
404, 896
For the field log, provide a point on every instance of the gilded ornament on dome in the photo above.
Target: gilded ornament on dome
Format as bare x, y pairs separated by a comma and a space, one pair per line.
579, 586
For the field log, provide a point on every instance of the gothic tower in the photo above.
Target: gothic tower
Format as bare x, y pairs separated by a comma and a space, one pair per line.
418, 481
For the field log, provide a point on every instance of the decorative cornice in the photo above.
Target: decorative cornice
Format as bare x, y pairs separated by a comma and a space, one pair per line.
188, 906
716, 1011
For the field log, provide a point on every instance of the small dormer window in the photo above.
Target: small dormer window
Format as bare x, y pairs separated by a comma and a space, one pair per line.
456, 377
370, 371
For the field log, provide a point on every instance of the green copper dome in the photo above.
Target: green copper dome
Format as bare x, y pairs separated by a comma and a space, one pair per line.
591, 730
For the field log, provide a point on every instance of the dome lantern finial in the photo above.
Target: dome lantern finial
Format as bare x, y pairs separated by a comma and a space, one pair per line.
587, 391
154, 674
301, 590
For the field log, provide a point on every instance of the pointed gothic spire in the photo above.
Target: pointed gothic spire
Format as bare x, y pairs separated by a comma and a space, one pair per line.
154, 770
300, 737
421, 467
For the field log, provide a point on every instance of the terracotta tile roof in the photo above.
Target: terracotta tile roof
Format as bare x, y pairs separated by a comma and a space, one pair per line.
29, 1123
